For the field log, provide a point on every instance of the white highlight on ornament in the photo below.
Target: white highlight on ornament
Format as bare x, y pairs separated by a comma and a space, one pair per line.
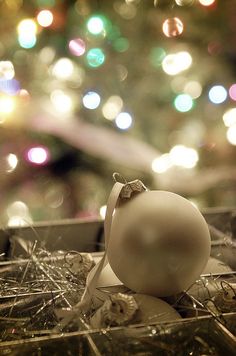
61, 101
112, 107
102, 211
184, 156
229, 117
63, 68
91, 100
176, 63
12, 161
231, 134
123, 120
162, 164
6, 70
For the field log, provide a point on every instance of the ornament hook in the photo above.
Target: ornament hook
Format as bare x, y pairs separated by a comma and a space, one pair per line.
119, 178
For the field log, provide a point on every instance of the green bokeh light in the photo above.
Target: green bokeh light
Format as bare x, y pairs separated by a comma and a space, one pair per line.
121, 44
157, 55
183, 102
46, 3
95, 57
99, 24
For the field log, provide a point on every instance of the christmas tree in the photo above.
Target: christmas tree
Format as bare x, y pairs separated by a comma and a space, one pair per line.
88, 88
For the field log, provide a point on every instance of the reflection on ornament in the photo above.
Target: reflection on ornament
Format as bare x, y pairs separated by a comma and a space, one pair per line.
172, 27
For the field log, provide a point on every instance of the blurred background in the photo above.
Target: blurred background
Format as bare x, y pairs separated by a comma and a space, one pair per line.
146, 88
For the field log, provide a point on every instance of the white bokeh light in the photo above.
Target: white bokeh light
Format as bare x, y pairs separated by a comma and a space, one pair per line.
91, 100
184, 156
162, 164
61, 101
123, 120
229, 117
63, 68
176, 63
38, 155
231, 135
112, 107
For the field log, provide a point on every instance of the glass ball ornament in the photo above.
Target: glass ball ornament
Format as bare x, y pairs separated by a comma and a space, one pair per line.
159, 243
172, 27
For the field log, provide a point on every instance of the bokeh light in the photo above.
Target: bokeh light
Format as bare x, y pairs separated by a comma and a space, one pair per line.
27, 26
156, 56
12, 162
45, 18
206, 2
61, 101
38, 155
77, 47
27, 40
184, 2
232, 92
18, 214
96, 25
102, 211
7, 71
11, 86
172, 27
91, 100
173, 64
231, 134
183, 102
217, 94
121, 44
112, 107
63, 68
193, 88
123, 120
7, 105
162, 164
229, 117
95, 57
184, 156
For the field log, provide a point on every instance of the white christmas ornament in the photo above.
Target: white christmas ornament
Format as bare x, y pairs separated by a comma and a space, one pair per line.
159, 243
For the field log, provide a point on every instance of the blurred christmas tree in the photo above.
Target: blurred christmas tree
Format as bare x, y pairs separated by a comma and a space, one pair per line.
146, 88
